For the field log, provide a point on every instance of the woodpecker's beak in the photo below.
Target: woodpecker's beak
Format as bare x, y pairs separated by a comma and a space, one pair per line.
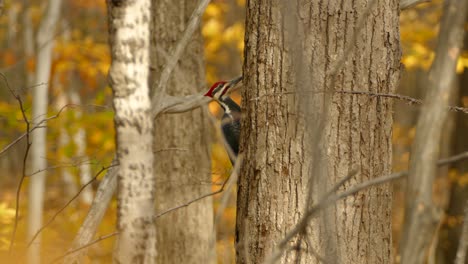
235, 81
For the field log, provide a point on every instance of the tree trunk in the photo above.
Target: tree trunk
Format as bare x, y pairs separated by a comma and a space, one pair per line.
292, 52
44, 40
422, 215
129, 40
79, 138
182, 144
450, 234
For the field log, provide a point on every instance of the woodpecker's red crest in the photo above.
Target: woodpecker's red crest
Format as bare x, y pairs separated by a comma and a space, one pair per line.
218, 89
214, 88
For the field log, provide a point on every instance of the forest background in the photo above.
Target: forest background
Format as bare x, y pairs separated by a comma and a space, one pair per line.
80, 141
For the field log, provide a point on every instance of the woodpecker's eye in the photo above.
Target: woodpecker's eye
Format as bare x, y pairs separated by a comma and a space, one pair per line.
218, 91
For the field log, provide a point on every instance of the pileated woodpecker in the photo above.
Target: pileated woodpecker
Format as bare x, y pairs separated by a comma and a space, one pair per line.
230, 122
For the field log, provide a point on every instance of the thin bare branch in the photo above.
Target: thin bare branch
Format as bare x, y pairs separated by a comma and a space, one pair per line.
180, 104
97, 240
407, 99
68, 203
405, 4
96, 213
160, 89
330, 198
38, 125
23, 171
221, 189
303, 222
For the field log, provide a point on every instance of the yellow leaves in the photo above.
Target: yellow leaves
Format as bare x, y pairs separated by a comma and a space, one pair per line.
457, 178
462, 63
453, 221
418, 55
240, 2
419, 28
212, 28
224, 37
464, 101
235, 34
213, 10
7, 216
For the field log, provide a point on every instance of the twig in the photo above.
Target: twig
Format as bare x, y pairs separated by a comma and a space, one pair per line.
23, 172
97, 240
330, 199
221, 189
38, 125
405, 4
302, 224
71, 165
68, 203
190, 29
180, 104
408, 99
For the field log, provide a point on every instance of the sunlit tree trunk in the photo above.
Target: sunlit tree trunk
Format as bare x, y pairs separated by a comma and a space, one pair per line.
45, 40
129, 35
422, 214
79, 138
291, 53
450, 234
63, 141
182, 144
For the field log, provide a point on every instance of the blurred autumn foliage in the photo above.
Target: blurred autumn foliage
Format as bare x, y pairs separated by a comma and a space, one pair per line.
80, 62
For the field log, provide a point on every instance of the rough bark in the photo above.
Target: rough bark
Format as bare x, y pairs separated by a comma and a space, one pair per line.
129, 35
39, 112
182, 144
290, 56
422, 216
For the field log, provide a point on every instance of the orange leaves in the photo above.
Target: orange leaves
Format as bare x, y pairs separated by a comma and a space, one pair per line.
457, 178
9, 58
85, 56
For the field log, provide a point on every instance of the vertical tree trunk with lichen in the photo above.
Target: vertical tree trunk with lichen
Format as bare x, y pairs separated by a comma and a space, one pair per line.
182, 144
291, 54
129, 35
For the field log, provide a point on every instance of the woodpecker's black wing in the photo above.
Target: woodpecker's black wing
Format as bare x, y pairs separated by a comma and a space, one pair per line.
230, 124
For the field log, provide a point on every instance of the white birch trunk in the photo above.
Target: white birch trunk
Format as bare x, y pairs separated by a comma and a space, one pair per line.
129, 40
44, 40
